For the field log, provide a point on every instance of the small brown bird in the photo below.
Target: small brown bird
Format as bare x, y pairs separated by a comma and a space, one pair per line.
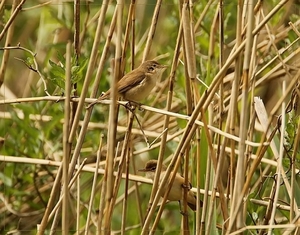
137, 84
175, 193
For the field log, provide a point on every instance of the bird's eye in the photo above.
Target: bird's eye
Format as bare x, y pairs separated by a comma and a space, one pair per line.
151, 68
153, 169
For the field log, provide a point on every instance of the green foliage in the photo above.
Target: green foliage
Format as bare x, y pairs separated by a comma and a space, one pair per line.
57, 72
6, 179
34, 130
6, 15
290, 135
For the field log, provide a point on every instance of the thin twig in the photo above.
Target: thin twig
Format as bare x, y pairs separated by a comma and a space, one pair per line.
35, 69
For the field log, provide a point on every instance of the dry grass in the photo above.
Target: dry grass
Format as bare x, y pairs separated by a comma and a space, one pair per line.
226, 116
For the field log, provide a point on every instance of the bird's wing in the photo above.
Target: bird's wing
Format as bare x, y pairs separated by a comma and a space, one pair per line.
126, 83
130, 80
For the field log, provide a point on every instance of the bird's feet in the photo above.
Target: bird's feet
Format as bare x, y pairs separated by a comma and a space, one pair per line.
189, 186
140, 108
132, 105
184, 213
91, 104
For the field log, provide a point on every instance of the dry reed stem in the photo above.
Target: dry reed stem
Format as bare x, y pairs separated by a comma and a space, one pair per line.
55, 190
166, 121
26, 160
138, 197
217, 185
190, 72
2, 4
11, 19
221, 138
35, 68
113, 115
234, 97
221, 99
66, 145
152, 29
10, 31
262, 227
175, 157
127, 161
156, 110
244, 124
210, 222
261, 149
201, 218
117, 181
90, 70
72, 181
279, 159
128, 32
93, 190
131, 177
293, 172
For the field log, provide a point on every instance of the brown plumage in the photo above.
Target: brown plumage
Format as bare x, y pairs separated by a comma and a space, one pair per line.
175, 193
137, 84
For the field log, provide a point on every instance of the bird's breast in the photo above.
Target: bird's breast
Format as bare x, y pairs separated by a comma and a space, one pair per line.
141, 90
176, 191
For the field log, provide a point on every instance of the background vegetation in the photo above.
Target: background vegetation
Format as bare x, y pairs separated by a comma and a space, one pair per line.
225, 115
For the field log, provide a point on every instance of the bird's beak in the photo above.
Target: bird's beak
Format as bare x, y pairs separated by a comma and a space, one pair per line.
142, 170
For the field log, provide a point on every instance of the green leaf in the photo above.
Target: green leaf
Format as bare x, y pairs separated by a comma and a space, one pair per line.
6, 179
254, 216
181, 123
57, 75
29, 61
57, 69
78, 70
